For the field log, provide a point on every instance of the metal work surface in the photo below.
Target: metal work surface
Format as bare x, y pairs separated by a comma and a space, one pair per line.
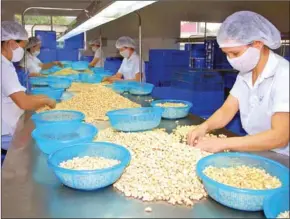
30, 189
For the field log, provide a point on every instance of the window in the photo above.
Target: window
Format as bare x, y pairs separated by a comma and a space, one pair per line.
196, 30
33, 22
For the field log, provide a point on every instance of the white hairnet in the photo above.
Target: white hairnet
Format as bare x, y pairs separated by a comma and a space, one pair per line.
125, 41
11, 30
244, 27
95, 42
33, 41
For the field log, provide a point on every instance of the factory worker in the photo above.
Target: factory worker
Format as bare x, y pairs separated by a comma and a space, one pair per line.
129, 69
14, 99
260, 93
98, 60
33, 64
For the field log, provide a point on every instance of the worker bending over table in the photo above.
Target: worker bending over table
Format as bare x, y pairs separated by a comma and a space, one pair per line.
261, 90
15, 101
130, 67
98, 60
33, 64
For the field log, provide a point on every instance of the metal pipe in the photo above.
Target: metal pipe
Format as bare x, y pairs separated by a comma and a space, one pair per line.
190, 57
32, 28
140, 47
101, 46
51, 23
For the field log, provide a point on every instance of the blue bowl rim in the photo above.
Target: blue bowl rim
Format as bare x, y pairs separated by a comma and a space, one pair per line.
58, 79
34, 132
267, 202
231, 188
136, 114
188, 104
123, 163
34, 116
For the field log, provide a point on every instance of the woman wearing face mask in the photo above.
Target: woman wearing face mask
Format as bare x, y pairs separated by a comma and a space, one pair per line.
129, 69
260, 93
14, 99
98, 60
33, 64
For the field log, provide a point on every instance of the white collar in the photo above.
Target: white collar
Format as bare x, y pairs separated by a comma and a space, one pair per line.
5, 60
134, 54
269, 70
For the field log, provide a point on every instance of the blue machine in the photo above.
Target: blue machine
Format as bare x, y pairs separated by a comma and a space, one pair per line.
113, 64
47, 55
48, 39
75, 42
163, 63
67, 54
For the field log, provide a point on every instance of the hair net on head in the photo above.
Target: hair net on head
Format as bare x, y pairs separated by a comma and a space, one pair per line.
125, 41
95, 42
33, 41
244, 27
11, 30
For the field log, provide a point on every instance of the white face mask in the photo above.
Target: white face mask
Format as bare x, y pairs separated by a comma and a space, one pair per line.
247, 61
94, 49
17, 54
36, 53
125, 53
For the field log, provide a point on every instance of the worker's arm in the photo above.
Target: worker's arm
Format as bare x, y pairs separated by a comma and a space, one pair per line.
30, 102
218, 120
45, 66
35, 75
117, 77
94, 62
137, 78
274, 138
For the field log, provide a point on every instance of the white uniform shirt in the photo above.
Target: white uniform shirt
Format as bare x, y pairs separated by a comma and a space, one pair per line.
9, 85
99, 55
130, 67
32, 63
270, 94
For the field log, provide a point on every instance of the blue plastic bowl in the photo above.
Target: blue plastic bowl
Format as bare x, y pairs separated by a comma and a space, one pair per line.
173, 112
59, 83
55, 116
90, 179
126, 84
141, 89
135, 119
50, 92
66, 64
277, 203
80, 65
38, 81
54, 136
46, 72
90, 78
241, 199
119, 88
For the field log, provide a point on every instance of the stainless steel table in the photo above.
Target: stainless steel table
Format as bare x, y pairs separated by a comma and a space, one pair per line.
30, 189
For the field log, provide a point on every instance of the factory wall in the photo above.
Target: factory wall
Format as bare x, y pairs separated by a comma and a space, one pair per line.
161, 20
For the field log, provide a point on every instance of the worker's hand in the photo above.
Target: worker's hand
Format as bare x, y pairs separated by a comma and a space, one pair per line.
35, 75
40, 96
196, 134
212, 145
51, 103
58, 64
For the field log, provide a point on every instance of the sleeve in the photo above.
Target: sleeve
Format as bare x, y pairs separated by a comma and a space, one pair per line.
97, 54
281, 91
10, 83
237, 89
136, 68
33, 67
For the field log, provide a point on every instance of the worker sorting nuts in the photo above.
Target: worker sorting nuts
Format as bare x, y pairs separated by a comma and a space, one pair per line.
261, 90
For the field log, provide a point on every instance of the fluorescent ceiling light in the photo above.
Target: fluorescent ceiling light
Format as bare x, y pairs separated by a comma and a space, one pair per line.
112, 12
